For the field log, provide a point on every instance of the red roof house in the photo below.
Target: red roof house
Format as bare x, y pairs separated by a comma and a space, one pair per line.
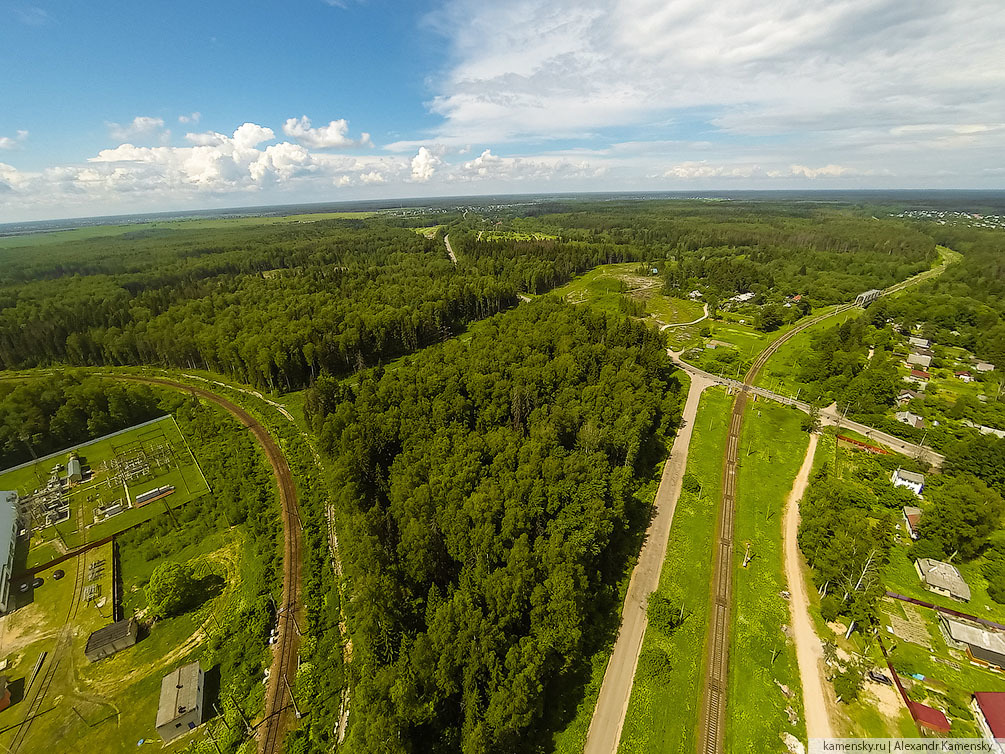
921, 374
990, 705
929, 717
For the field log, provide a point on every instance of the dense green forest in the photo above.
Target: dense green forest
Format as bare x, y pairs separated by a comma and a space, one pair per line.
491, 487
44, 415
274, 306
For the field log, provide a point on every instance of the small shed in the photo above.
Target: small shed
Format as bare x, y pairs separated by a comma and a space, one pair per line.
4, 693
111, 639
180, 707
964, 376
983, 366
73, 471
919, 342
983, 646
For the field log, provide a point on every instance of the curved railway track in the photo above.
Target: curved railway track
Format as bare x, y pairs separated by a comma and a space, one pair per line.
277, 719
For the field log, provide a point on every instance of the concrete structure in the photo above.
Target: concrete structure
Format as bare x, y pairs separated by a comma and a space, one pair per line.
983, 366
180, 708
73, 471
111, 639
910, 419
989, 712
912, 517
867, 297
943, 578
919, 360
8, 540
919, 342
912, 480
983, 646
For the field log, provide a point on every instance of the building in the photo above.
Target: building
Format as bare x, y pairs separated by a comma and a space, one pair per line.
919, 342
929, 718
989, 712
910, 419
943, 578
919, 375
742, 298
111, 639
4, 693
983, 646
912, 480
73, 471
694, 295
964, 376
983, 366
180, 707
906, 396
866, 298
912, 517
8, 540
919, 360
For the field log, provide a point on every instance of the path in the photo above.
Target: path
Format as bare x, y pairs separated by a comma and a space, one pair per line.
702, 318
450, 251
612, 703
809, 651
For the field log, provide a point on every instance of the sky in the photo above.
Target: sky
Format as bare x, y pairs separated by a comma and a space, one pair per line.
118, 107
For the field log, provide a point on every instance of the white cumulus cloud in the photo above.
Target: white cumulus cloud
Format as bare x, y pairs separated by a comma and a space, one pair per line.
190, 118
10, 142
141, 126
424, 165
334, 135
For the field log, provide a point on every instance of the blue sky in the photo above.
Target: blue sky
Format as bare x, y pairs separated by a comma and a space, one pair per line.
132, 106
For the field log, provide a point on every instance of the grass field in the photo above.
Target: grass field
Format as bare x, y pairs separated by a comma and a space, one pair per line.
761, 657
108, 706
163, 459
663, 710
516, 235
104, 231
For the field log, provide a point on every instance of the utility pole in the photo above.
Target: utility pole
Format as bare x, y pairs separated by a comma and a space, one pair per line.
247, 725
209, 733
296, 709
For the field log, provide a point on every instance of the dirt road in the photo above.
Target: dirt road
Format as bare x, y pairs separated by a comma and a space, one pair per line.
809, 651
450, 251
612, 704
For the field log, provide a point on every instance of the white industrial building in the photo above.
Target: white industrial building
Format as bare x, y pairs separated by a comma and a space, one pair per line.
8, 539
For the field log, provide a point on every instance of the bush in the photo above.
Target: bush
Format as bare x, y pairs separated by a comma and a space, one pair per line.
830, 608
170, 590
848, 684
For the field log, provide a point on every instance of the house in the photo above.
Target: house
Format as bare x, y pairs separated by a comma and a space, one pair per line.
983, 366
929, 718
910, 419
867, 297
742, 297
919, 342
180, 707
906, 396
982, 645
943, 578
924, 352
964, 376
8, 538
912, 517
919, 360
913, 481
989, 712
920, 375
111, 639
694, 295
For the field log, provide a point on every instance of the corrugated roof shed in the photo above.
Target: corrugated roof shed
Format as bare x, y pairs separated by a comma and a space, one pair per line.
179, 693
944, 576
929, 717
108, 634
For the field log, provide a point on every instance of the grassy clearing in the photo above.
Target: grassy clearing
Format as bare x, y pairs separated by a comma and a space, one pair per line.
170, 462
516, 235
663, 710
772, 448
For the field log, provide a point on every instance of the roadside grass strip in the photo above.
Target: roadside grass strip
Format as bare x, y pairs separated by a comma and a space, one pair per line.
663, 709
762, 657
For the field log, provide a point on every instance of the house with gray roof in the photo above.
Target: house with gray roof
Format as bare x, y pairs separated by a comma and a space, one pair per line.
942, 578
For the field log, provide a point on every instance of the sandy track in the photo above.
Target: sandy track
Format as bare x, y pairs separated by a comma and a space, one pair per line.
809, 651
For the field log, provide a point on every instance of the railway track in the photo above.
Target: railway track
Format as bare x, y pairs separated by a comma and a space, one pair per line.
63, 640
278, 695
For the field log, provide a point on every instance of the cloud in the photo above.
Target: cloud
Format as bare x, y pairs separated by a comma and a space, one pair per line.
424, 164
31, 15
334, 135
141, 127
372, 177
190, 118
11, 142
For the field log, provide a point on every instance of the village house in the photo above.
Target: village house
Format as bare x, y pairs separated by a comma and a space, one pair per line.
912, 517
910, 419
919, 342
982, 645
964, 376
913, 481
989, 712
942, 578
983, 366
919, 360
906, 396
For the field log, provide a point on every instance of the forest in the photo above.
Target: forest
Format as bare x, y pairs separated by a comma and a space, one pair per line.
41, 416
491, 486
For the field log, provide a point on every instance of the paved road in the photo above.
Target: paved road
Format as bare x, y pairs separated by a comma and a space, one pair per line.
809, 651
612, 703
